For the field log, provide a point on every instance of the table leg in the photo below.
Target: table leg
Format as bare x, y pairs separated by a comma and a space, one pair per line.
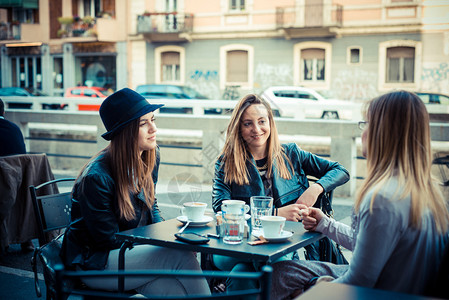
121, 264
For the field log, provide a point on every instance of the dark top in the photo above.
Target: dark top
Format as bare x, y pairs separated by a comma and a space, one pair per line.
95, 216
11, 139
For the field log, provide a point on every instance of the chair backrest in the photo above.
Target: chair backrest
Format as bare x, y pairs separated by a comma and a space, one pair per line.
324, 202
263, 276
52, 211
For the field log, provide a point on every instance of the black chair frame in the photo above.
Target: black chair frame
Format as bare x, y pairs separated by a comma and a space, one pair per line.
52, 212
264, 276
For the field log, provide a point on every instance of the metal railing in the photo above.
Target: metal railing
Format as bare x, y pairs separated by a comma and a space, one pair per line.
342, 134
9, 31
164, 22
309, 16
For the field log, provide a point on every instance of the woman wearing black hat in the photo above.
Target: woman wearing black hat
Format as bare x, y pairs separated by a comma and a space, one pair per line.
115, 191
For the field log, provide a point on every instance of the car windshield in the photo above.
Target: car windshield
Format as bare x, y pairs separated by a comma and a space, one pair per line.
192, 94
36, 92
106, 92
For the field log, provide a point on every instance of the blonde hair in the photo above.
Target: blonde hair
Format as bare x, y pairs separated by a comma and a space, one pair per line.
235, 151
398, 145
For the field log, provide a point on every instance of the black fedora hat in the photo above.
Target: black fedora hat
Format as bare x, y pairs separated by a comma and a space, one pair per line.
122, 107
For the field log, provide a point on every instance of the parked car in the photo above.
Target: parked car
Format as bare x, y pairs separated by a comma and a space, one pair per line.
170, 91
86, 91
433, 98
291, 101
26, 92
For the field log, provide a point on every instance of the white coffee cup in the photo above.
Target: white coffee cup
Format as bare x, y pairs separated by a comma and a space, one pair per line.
234, 206
194, 211
272, 226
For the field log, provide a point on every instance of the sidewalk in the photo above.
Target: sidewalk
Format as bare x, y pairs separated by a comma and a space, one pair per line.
17, 279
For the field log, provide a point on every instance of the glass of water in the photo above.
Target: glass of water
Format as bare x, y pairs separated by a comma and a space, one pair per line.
260, 206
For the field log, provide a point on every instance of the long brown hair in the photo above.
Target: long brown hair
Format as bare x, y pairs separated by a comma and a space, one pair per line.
235, 151
131, 171
398, 145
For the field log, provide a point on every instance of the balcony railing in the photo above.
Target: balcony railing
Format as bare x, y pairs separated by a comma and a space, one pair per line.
164, 22
309, 16
9, 31
77, 27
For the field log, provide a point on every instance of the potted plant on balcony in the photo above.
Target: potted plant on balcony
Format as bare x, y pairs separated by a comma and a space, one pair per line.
62, 33
104, 15
91, 32
66, 20
88, 21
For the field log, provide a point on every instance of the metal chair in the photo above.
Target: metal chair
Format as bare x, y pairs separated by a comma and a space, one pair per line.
442, 161
62, 276
52, 213
325, 249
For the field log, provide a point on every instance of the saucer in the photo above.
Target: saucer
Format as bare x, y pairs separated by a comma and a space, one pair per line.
284, 236
204, 221
247, 217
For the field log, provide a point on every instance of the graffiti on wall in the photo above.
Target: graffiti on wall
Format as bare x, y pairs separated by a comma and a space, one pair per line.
205, 82
267, 75
206, 75
354, 84
435, 77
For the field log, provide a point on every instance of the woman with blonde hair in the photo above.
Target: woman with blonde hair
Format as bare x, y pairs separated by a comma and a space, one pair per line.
115, 191
255, 163
400, 221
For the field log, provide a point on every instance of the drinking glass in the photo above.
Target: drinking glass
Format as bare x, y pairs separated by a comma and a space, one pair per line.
260, 206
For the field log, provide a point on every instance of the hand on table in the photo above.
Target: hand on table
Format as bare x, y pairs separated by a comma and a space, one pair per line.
290, 212
311, 216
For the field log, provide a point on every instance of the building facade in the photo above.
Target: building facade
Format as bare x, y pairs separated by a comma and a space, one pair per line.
347, 49
52, 45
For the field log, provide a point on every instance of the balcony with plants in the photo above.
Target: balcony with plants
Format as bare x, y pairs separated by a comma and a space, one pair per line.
165, 26
77, 27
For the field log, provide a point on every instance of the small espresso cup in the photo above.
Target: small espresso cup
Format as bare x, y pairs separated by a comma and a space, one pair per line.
194, 211
272, 226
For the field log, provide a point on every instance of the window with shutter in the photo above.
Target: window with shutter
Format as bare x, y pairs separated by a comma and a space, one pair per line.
237, 66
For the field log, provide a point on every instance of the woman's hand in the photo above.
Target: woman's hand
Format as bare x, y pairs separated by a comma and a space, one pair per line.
310, 195
290, 212
311, 216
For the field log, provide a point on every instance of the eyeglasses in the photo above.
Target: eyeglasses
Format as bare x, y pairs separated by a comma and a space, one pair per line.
362, 125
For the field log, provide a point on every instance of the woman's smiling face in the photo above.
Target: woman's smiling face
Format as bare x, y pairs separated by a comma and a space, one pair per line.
255, 128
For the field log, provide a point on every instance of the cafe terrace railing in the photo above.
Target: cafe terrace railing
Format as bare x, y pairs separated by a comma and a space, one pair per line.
342, 134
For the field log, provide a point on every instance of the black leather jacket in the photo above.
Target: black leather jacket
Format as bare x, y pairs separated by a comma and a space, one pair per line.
331, 174
95, 216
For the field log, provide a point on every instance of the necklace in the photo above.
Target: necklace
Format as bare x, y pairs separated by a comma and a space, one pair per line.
263, 167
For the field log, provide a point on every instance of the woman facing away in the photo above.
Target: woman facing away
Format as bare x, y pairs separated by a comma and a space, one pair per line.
115, 191
400, 219
254, 163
